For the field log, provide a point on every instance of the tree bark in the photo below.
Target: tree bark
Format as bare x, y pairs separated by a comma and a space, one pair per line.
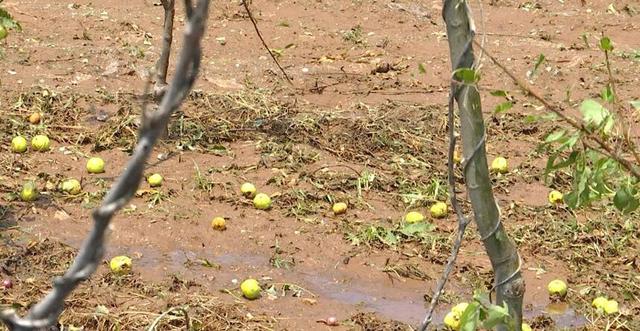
167, 38
509, 284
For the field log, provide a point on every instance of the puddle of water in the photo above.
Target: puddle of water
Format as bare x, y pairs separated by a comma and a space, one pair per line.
561, 313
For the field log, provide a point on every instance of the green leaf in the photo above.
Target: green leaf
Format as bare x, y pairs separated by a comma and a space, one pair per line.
499, 93
625, 200
470, 317
467, 76
541, 58
556, 135
421, 68
607, 94
390, 239
8, 22
605, 44
501, 108
412, 229
496, 315
593, 112
635, 104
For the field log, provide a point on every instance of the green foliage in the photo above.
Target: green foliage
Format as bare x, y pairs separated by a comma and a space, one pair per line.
8, 22
481, 313
539, 61
467, 76
504, 106
595, 176
379, 236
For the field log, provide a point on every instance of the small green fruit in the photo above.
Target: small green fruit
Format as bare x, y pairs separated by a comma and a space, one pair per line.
40, 143
71, 186
18, 144
500, 165
120, 265
248, 190
413, 217
155, 180
262, 201
555, 197
439, 209
250, 289
219, 223
29, 192
599, 302
452, 321
95, 165
339, 208
611, 307
526, 327
557, 288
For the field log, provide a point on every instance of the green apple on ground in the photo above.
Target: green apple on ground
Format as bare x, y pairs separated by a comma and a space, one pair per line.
95, 165
439, 210
120, 264
557, 288
555, 197
248, 190
29, 192
500, 165
219, 223
262, 201
71, 186
250, 289
155, 180
413, 217
40, 143
18, 144
339, 208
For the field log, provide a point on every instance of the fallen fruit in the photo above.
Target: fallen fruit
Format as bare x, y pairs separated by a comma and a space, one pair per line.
526, 327
7, 283
557, 288
460, 308
262, 201
555, 197
439, 209
500, 165
413, 217
40, 143
250, 289
120, 264
3, 32
18, 144
331, 321
452, 321
599, 302
95, 165
611, 307
339, 208
71, 186
248, 190
219, 223
29, 192
457, 158
35, 118
155, 180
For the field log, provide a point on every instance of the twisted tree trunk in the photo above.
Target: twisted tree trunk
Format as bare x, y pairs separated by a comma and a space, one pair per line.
502, 251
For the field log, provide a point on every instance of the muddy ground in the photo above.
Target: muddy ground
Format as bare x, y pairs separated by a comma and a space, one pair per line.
344, 131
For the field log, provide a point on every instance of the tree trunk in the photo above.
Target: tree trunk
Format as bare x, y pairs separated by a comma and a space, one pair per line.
502, 251
167, 38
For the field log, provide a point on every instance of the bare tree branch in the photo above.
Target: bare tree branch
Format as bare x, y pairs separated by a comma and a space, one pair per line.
167, 38
46, 312
255, 26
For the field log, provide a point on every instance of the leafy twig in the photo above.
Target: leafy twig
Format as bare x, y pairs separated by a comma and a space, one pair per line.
602, 146
47, 311
255, 26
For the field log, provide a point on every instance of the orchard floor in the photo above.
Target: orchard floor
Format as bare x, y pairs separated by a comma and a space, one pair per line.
343, 131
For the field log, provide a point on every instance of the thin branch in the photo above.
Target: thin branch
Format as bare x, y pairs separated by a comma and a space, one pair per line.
47, 311
603, 146
255, 26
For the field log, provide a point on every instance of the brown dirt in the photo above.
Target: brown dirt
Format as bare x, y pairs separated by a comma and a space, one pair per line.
306, 145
